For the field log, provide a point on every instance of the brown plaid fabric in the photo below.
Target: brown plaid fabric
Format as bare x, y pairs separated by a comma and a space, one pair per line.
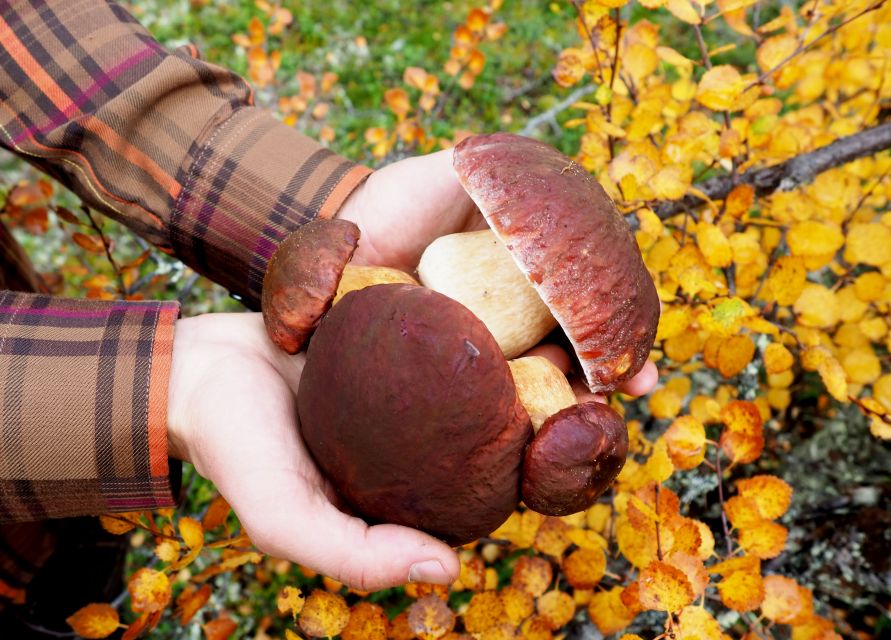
173, 147
167, 143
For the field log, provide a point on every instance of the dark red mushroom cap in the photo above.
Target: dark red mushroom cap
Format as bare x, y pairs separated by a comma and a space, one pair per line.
574, 246
574, 458
302, 277
409, 408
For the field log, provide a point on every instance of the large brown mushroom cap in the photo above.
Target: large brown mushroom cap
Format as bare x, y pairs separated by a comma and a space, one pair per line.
409, 408
302, 277
572, 244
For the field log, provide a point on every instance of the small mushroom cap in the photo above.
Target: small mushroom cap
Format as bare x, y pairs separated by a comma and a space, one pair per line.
568, 238
574, 458
302, 277
409, 408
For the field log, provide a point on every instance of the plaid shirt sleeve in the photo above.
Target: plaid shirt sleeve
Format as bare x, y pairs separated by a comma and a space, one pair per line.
161, 140
83, 406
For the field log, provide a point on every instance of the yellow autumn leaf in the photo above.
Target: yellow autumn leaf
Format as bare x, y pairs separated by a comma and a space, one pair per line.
607, 611
720, 88
861, 365
324, 614
742, 590
583, 568
777, 358
683, 10
868, 244
290, 600
833, 376
734, 354
556, 607
484, 612
664, 587
714, 245
817, 306
813, 238
742, 439
533, 575
685, 439
429, 618
658, 465
94, 621
787, 279
772, 495
763, 539
695, 622
783, 599
775, 50
518, 605
664, 403
150, 591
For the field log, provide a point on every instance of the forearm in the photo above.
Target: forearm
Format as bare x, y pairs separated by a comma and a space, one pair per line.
83, 406
168, 144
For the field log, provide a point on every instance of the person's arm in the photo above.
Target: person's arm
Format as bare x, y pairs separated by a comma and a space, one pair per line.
168, 144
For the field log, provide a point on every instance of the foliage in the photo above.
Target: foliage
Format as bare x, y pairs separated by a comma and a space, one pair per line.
774, 327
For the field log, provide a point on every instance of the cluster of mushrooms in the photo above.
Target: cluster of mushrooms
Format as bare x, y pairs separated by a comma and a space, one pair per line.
413, 402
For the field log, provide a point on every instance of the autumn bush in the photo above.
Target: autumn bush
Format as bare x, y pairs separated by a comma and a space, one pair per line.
746, 142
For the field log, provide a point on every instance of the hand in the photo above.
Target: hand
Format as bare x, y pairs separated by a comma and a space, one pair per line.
405, 206
231, 413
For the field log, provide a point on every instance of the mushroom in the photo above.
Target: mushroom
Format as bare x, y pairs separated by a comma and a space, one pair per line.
408, 406
570, 245
308, 273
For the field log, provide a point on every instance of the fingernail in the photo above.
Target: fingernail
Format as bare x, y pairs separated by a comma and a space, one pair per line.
428, 571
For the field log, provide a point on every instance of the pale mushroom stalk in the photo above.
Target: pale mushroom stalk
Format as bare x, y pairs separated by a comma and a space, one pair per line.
478, 271
542, 388
357, 277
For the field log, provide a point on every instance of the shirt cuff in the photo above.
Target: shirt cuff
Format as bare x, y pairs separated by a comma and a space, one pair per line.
252, 182
83, 395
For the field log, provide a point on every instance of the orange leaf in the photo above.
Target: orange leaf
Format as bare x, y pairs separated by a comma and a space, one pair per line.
739, 200
190, 601
742, 511
742, 590
664, 587
93, 244
685, 439
734, 354
787, 278
149, 591
608, 612
477, 20
556, 607
484, 611
777, 358
430, 618
518, 605
693, 568
771, 494
584, 568
720, 88
784, 600
763, 539
216, 514
119, 523
219, 629
290, 600
551, 538
398, 102
324, 614
367, 622
743, 436
94, 621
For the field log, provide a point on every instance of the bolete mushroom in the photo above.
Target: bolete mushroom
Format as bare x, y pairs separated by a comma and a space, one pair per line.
572, 249
310, 271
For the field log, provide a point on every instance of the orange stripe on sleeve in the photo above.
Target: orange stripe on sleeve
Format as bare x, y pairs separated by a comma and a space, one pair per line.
159, 381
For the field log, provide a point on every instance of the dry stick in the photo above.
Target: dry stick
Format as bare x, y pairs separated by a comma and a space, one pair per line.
122, 288
790, 174
548, 116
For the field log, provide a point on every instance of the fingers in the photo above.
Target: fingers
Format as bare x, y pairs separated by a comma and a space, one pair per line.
639, 385
643, 382
312, 532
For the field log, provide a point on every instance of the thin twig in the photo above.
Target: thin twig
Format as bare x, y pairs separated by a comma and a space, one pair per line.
106, 244
724, 523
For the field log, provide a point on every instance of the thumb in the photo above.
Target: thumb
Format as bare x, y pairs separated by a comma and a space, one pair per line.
314, 533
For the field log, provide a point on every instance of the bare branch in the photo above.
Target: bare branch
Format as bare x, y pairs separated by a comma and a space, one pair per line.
790, 174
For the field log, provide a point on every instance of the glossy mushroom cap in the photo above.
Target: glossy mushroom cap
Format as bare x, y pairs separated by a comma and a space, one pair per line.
408, 406
568, 238
574, 458
302, 277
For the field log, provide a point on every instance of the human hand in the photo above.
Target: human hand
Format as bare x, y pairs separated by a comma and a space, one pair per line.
231, 413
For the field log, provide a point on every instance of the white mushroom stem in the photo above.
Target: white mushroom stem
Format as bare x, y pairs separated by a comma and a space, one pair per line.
541, 387
358, 277
477, 270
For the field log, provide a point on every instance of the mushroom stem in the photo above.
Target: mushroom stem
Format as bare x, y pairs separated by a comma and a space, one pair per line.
542, 388
477, 270
357, 277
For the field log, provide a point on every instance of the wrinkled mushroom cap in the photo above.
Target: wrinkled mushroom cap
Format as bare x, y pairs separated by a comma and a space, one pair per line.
574, 458
573, 245
302, 277
408, 406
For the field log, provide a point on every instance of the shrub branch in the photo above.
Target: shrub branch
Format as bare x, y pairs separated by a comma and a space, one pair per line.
787, 175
